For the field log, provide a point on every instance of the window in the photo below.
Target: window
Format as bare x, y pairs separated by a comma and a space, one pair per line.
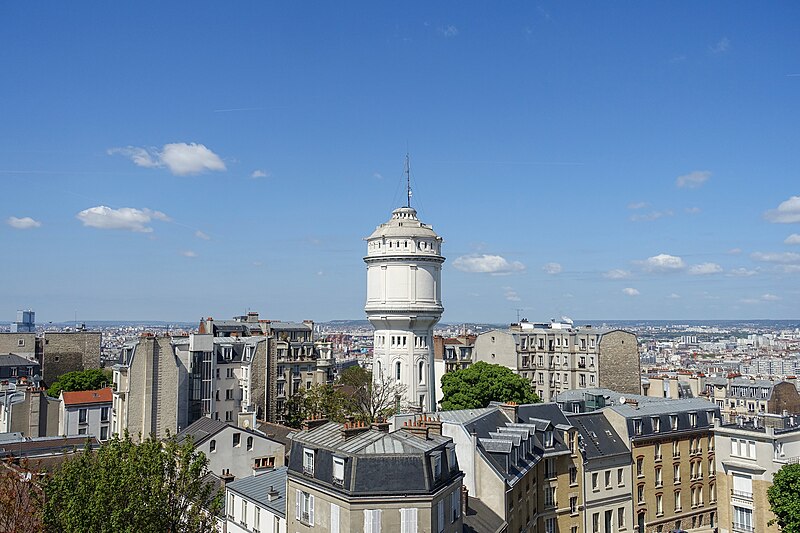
676, 450
673, 422
455, 505
421, 371
595, 522
640, 466
608, 479
308, 461
676, 473
452, 459
550, 525
104, 433
573, 504
231, 501
550, 468
594, 481
212, 446
573, 475
237, 439
659, 480
656, 424
548, 438
334, 522
244, 512
82, 413
659, 504
439, 516
264, 462
621, 518
82, 431
550, 496
620, 477
338, 470
436, 461
743, 518
657, 451
640, 494
693, 419
397, 371
408, 520
677, 500
637, 427
304, 507
229, 394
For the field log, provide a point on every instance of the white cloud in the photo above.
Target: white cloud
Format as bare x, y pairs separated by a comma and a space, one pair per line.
794, 238
23, 223
721, 46
487, 264
735, 251
742, 272
663, 263
449, 31
785, 258
630, 291
693, 180
182, 159
188, 253
258, 173
763, 298
377, 175
637, 205
770, 297
616, 273
693, 210
124, 218
788, 212
511, 295
200, 235
704, 269
552, 268
652, 215
674, 296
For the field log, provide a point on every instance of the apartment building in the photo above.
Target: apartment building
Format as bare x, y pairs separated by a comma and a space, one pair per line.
455, 353
85, 413
607, 479
558, 356
257, 504
356, 478
55, 352
742, 396
748, 455
673, 452
238, 451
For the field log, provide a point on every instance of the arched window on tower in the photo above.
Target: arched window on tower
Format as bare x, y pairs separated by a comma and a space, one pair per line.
397, 371
378, 370
421, 370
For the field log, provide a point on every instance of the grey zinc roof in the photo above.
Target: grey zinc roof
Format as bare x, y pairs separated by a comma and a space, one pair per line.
201, 430
464, 416
275, 324
496, 445
598, 437
11, 359
664, 407
370, 442
256, 489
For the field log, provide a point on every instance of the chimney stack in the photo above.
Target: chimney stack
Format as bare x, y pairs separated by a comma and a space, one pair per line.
510, 410
313, 422
351, 429
416, 427
226, 477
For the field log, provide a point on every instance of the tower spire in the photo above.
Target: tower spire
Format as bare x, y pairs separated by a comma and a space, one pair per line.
408, 180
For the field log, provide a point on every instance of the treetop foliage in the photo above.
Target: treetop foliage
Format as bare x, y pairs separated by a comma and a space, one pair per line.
480, 383
78, 380
783, 500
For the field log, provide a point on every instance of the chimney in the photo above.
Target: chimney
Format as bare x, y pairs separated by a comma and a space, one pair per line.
226, 477
510, 410
416, 427
464, 500
272, 494
351, 429
434, 425
314, 422
381, 425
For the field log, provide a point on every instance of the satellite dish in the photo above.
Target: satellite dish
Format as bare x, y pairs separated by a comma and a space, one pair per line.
622, 400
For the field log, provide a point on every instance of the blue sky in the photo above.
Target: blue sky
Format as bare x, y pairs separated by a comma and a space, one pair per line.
598, 160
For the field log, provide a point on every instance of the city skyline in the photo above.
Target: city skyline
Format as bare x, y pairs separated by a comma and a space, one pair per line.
605, 162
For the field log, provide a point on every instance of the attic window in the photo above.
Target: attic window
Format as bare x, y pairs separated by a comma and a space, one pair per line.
338, 470
548, 438
308, 461
437, 465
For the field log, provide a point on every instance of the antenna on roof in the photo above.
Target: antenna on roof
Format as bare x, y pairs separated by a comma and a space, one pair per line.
408, 179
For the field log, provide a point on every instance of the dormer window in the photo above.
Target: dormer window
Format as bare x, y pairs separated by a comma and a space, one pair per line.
308, 461
656, 424
548, 438
637, 427
693, 419
452, 459
673, 422
338, 470
437, 465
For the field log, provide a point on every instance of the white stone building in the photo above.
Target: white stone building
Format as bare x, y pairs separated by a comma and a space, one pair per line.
404, 302
85, 413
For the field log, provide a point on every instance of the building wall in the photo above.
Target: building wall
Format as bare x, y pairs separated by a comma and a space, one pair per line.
268, 522
784, 398
496, 347
69, 420
64, 352
619, 367
351, 512
10, 343
608, 498
238, 459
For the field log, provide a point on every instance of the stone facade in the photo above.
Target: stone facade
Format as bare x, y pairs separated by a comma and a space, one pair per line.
619, 365
23, 344
64, 352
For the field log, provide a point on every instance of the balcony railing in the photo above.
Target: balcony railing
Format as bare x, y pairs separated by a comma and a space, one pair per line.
742, 527
742, 495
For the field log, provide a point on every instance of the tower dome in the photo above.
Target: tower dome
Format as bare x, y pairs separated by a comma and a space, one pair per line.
404, 303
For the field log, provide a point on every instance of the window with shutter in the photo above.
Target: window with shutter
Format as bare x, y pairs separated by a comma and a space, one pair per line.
334, 518
297, 503
440, 516
311, 510
408, 520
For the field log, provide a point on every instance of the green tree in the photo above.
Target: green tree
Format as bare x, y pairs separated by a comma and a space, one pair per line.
783, 500
321, 400
20, 498
125, 486
481, 383
91, 379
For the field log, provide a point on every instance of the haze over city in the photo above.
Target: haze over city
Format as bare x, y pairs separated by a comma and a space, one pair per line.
605, 161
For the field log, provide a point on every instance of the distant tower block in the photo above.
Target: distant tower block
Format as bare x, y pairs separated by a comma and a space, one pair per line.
404, 303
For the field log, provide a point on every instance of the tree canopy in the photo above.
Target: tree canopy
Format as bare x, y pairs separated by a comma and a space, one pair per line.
481, 383
783, 500
91, 379
125, 486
